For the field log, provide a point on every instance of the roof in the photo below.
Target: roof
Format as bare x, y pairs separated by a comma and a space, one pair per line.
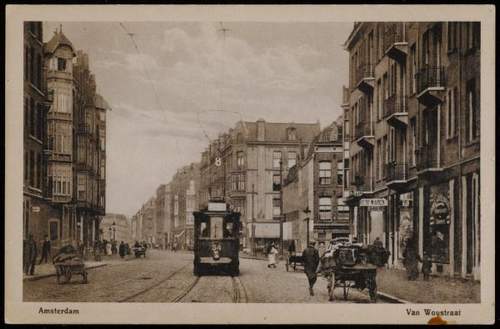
325, 136
277, 131
101, 103
58, 40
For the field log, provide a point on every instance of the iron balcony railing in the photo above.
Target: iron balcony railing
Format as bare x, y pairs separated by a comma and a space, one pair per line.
430, 77
395, 33
363, 128
395, 104
364, 71
427, 158
397, 171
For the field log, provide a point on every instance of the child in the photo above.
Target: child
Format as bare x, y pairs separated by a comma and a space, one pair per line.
426, 266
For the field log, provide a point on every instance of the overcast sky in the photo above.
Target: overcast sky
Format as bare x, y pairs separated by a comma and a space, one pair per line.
185, 83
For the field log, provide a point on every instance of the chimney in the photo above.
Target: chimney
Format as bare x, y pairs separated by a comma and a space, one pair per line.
261, 130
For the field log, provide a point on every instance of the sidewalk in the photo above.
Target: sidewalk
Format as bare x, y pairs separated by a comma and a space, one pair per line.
439, 290
48, 269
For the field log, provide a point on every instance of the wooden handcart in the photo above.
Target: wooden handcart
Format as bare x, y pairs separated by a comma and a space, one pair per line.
69, 267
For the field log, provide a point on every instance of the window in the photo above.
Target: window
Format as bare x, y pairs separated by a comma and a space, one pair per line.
32, 168
276, 159
384, 86
61, 64
340, 179
325, 208
239, 182
451, 113
413, 69
472, 112
26, 165
378, 163
39, 71
325, 172
292, 159
384, 155
379, 99
40, 121
276, 207
81, 187
39, 170
413, 146
53, 230
240, 159
276, 181
32, 117
292, 134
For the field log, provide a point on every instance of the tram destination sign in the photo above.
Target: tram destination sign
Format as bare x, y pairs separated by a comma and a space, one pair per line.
373, 203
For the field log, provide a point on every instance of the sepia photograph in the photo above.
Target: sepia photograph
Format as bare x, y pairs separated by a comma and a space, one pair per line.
330, 163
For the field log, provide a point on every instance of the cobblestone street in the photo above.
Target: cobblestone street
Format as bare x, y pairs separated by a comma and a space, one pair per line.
165, 276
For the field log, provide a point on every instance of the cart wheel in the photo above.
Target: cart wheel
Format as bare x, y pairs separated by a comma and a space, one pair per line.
331, 285
372, 288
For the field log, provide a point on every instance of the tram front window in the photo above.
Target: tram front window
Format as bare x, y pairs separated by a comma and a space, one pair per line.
216, 227
204, 230
228, 230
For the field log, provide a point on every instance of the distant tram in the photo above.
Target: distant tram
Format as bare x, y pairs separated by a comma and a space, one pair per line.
216, 240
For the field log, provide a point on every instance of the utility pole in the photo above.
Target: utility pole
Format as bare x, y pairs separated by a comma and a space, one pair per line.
252, 228
281, 208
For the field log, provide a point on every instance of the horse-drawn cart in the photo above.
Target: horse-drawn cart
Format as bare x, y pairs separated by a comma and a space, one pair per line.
352, 266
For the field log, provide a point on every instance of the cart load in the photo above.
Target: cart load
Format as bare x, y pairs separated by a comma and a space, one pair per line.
353, 266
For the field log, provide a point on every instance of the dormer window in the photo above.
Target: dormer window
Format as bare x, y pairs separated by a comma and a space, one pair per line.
292, 134
61, 64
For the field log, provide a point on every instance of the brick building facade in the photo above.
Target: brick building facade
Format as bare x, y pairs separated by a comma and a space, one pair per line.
414, 121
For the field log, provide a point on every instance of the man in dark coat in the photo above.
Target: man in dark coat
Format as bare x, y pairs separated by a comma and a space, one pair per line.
122, 249
45, 250
30, 256
311, 260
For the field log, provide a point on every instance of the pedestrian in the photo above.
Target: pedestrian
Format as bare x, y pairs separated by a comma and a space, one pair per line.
271, 256
127, 248
108, 248
377, 243
45, 250
426, 266
292, 249
310, 258
31, 255
410, 261
121, 249
114, 250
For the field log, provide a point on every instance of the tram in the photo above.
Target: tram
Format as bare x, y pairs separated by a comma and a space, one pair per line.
216, 240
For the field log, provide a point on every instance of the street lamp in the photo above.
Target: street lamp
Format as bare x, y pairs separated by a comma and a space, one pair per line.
114, 230
307, 212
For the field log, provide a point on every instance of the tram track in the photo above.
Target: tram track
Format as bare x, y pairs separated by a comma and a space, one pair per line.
147, 289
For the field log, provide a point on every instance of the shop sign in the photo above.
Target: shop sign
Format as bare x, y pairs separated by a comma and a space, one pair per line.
35, 209
216, 206
373, 203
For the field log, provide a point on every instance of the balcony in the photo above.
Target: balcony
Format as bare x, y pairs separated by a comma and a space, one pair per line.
362, 184
365, 78
397, 175
363, 135
430, 85
395, 43
428, 161
396, 111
